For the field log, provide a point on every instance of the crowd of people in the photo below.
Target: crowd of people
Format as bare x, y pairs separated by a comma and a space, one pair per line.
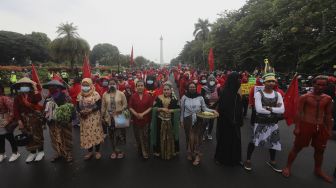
105, 106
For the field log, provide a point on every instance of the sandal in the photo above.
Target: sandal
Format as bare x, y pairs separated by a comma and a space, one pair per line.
197, 161
88, 156
98, 155
113, 155
69, 159
120, 155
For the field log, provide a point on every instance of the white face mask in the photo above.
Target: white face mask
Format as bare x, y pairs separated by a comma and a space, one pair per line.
195, 81
24, 89
203, 81
85, 88
150, 82
212, 83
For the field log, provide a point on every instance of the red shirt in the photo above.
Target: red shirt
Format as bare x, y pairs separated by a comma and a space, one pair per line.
122, 87
141, 105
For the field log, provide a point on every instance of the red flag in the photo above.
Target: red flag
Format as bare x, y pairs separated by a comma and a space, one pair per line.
211, 60
57, 77
291, 101
132, 60
35, 78
86, 68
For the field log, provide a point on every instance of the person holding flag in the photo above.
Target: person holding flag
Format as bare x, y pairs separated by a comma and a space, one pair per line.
313, 126
27, 112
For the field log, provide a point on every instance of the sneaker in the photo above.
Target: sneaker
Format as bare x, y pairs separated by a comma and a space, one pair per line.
13, 157
247, 166
274, 167
209, 137
2, 157
30, 157
39, 156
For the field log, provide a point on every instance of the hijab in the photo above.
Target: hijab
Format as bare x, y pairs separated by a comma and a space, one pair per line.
92, 87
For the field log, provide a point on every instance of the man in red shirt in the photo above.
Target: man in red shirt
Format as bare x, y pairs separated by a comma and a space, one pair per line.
140, 106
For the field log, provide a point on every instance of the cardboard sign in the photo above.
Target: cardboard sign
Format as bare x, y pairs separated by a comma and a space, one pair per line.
245, 88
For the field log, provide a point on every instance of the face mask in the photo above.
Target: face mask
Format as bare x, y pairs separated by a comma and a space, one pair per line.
203, 81
113, 86
192, 91
86, 88
212, 83
105, 83
150, 82
24, 89
195, 81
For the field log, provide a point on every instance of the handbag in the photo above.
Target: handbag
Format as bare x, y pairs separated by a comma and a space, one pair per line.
121, 121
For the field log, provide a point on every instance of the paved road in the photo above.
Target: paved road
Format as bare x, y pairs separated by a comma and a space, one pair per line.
134, 172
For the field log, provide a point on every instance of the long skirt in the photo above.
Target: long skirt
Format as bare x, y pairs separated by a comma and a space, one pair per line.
166, 145
61, 139
194, 134
117, 136
33, 126
91, 131
267, 136
142, 139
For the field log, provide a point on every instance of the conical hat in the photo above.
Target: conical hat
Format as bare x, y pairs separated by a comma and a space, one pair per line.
24, 80
53, 83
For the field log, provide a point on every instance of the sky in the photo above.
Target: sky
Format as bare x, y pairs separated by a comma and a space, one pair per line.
123, 23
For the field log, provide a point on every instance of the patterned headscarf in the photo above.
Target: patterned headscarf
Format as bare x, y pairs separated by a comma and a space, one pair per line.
88, 81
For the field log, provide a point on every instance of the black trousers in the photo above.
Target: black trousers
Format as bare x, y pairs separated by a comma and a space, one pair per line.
11, 140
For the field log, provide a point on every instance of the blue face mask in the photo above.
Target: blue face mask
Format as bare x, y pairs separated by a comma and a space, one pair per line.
86, 88
24, 89
150, 82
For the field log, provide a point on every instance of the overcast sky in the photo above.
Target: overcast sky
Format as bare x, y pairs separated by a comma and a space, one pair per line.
122, 23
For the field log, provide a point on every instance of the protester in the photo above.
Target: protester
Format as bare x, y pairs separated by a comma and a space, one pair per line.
269, 104
228, 149
114, 103
191, 104
165, 124
88, 106
210, 94
313, 125
28, 113
140, 106
6, 126
60, 131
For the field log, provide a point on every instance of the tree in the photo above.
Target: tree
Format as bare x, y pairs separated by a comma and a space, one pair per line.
202, 30
69, 46
105, 54
23, 48
296, 35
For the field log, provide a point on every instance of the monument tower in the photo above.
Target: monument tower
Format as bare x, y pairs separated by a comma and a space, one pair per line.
161, 50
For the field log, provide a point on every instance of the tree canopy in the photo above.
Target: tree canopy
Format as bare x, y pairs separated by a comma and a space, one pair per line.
296, 35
